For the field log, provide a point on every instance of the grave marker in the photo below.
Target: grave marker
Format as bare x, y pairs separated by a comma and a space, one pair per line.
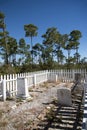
22, 88
64, 96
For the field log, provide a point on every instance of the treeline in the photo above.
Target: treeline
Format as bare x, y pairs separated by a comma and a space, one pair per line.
19, 56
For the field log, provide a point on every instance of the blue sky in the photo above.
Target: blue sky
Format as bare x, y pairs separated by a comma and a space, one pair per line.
66, 15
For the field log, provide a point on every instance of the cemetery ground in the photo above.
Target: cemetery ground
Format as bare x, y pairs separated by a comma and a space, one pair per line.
42, 111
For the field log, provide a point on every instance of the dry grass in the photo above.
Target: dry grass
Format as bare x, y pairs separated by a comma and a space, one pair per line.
3, 123
28, 123
18, 125
1, 113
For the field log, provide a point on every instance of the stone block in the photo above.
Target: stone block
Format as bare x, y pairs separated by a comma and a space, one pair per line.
64, 96
22, 88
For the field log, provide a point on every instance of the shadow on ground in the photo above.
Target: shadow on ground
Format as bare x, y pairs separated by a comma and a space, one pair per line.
63, 117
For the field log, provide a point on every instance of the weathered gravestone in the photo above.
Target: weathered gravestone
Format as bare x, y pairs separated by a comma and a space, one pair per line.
64, 96
22, 88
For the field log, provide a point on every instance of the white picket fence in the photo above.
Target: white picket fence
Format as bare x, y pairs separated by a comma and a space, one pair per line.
68, 75
9, 87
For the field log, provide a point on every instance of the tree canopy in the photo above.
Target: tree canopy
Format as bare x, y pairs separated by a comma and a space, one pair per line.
50, 53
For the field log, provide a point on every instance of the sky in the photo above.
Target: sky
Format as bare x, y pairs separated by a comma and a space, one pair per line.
65, 15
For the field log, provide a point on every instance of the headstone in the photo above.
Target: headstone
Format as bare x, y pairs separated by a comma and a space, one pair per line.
64, 96
22, 88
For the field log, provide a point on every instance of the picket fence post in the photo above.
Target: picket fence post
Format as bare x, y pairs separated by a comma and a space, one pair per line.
4, 89
35, 80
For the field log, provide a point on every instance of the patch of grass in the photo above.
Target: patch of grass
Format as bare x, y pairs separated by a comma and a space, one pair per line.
10, 98
1, 113
55, 101
45, 84
50, 115
29, 100
29, 122
19, 100
18, 125
3, 123
30, 90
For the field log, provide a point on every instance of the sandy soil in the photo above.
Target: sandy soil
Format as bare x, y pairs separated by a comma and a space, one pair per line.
39, 112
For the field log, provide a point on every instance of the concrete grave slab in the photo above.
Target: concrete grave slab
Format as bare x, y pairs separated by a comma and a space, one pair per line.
64, 96
22, 88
